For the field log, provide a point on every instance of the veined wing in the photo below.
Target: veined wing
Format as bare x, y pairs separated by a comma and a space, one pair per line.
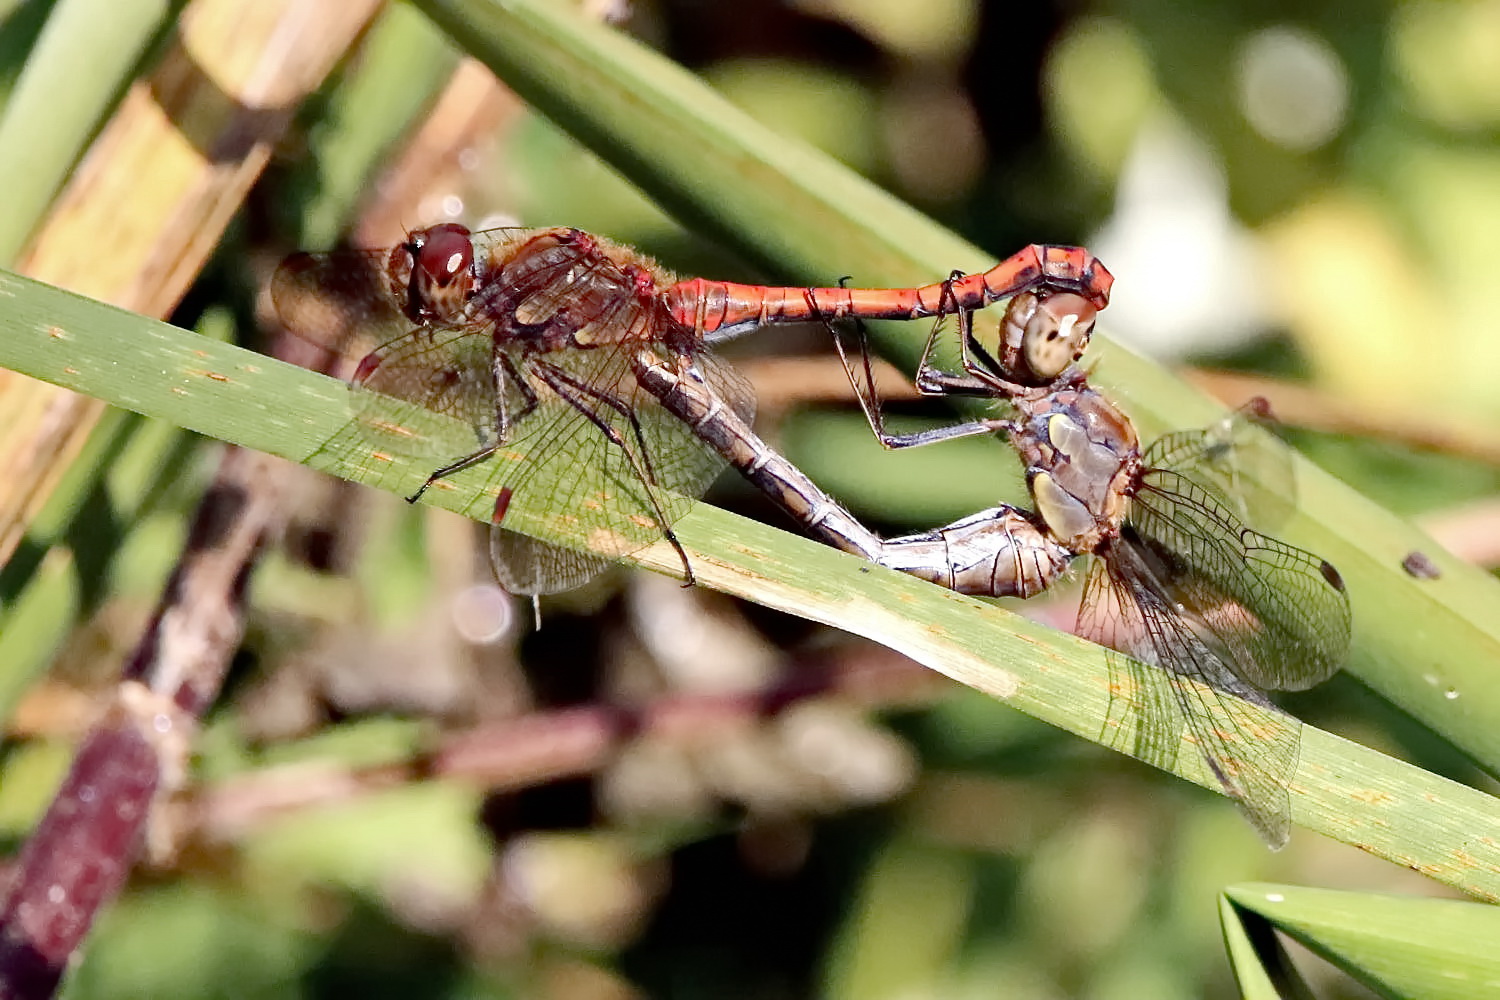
408, 382
1128, 607
603, 458
1238, 458
340, 301
1278, 616
431, 373
1227, 611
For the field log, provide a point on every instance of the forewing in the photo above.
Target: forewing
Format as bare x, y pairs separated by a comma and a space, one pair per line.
409, 384
1253, 753
339, 301
446, 371
1276, 614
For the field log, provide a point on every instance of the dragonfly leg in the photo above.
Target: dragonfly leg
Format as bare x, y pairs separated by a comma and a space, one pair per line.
468, 461
502, 431
947, 384
863, 383
566, 386
948, 432
980, 372
506, 375
977, 379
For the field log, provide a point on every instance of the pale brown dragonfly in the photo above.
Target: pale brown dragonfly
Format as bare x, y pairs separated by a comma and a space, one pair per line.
1177, 578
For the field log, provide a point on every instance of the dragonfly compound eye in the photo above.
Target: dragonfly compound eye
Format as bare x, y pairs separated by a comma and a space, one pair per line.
1056, 334
431, 274
444, 269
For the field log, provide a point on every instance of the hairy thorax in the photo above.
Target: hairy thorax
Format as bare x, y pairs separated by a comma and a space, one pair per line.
1082, 460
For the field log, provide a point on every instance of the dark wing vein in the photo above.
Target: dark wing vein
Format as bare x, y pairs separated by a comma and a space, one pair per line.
1279, 614
1252, 754
576, 476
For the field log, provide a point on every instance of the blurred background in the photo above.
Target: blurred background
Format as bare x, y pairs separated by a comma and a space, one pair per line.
664, 792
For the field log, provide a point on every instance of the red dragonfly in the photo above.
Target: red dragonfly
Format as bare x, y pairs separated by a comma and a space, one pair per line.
531, 343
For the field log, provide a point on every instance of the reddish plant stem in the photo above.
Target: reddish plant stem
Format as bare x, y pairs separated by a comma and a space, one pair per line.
550, 745
81, 852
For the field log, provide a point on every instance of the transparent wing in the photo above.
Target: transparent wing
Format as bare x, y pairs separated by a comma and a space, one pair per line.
601, 457
1240, 459
526, 565
447, 371
339, 301
1142, 706
342, 301
1278, 616
1254, 756
590, 451
1226, 611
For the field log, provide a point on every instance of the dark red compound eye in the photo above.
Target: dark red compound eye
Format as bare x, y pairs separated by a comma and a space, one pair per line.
445, 254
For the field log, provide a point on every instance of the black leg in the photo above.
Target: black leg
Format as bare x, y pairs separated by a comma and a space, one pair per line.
523, 386
463, 463
574, 392
505, 420
948, 384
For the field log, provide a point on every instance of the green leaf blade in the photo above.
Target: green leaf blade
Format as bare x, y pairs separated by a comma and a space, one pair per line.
1399, 946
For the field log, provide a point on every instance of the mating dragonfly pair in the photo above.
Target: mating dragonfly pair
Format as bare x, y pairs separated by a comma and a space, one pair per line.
589, 367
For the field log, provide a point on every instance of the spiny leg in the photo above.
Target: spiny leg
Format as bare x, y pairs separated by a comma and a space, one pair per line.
865, 391
468, 461
504, 421
979, 377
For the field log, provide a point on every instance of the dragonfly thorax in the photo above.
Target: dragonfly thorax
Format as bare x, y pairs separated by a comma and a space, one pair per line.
1083, 461
564, 289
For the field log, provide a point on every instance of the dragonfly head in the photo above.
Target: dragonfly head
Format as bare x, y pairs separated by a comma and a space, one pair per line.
1045, 334
432, 273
